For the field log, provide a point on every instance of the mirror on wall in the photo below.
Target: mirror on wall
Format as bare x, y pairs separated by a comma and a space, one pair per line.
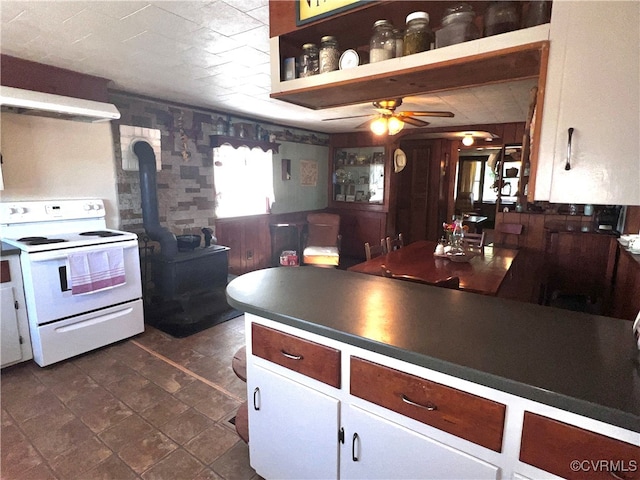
476, 179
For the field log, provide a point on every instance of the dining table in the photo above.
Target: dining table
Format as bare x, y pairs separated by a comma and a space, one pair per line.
483, 273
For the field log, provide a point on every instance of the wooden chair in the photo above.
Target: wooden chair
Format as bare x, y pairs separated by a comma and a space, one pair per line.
371, 251
473, 240
394, 243
506, 234
449, 282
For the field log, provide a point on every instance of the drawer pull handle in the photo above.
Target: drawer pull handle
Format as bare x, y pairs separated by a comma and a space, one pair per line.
353, 447
429, 406
567, 165
256, 398
290, 356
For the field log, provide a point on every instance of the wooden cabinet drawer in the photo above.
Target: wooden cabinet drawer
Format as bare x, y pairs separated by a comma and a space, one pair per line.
300, 355
462, 414
554, 447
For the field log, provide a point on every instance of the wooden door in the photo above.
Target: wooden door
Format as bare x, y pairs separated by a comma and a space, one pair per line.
420, 202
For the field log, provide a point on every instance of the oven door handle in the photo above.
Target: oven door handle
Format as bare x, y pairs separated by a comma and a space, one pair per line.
63, 254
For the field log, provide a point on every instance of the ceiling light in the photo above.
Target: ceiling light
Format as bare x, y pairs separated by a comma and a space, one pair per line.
467, 140
379, 126
394, 124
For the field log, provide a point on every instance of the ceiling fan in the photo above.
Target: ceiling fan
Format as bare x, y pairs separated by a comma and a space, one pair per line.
387, 120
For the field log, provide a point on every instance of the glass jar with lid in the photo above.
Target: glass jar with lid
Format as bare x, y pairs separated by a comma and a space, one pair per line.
500, 17
329, 54
418, 36
382, 43
398, 35
457, 26
309, 60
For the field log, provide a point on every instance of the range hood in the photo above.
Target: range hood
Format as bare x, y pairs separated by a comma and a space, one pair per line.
29, 102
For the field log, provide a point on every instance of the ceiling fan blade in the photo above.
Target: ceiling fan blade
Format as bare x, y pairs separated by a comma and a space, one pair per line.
414, 121
344, 118
365, 124
421, 113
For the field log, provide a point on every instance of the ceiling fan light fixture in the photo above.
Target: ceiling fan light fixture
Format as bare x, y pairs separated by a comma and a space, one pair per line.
467, 140
379, 126
395, 125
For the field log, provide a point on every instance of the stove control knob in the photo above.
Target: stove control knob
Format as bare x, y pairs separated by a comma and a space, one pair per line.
97, 206
87, 206
18, 210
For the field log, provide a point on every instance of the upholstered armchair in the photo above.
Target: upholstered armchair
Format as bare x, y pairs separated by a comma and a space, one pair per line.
322, 240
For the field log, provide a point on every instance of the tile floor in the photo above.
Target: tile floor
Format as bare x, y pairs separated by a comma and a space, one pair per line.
151, 407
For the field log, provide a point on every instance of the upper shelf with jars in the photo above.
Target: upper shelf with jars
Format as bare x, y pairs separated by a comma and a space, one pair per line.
462, 45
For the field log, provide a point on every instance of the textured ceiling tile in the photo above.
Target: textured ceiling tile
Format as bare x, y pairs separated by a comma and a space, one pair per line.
227, 20
211, 41
257, 38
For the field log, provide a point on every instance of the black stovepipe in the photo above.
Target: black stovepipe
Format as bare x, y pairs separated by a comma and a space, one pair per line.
149, 197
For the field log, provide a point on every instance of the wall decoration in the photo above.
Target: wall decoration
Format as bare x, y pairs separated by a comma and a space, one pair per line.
308, 173
311, 10
286, 169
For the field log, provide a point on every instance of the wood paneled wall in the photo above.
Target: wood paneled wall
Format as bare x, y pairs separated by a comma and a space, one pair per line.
28, 75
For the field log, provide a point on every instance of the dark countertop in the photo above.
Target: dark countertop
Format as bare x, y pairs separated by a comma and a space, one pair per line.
6, 249
574, 361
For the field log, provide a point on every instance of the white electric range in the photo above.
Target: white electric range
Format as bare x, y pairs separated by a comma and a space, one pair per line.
64, 320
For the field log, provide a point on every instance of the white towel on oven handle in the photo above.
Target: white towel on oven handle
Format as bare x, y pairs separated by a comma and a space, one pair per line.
95, 271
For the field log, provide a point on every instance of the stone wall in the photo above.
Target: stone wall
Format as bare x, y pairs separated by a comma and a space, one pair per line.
185, 182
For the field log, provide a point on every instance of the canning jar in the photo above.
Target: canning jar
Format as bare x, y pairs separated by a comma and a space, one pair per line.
539, 12
398, 35
382, 44
457, 26
329, 54
500, 17
418, 37
309, 60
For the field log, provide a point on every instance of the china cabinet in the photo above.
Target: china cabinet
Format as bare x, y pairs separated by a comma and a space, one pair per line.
592, 88
359, 175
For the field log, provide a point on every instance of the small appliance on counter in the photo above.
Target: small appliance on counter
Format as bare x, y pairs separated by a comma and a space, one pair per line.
609, 218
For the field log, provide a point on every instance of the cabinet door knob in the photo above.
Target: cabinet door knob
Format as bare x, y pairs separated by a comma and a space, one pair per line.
567, 165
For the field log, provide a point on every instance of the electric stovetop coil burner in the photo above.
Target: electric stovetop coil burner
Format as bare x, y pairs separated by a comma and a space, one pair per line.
40, 240
101, 233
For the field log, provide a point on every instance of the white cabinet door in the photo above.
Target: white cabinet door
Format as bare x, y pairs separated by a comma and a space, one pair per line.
377, 448
593, 87
293, 429
9, 334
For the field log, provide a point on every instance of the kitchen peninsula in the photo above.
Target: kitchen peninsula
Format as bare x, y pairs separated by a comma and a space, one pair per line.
362, 370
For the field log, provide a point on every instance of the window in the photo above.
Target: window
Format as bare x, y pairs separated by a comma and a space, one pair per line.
243, 181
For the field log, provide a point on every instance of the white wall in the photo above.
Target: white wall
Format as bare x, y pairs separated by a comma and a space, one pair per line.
51, 159
290, 195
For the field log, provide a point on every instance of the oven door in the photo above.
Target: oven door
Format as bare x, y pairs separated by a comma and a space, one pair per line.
48, 288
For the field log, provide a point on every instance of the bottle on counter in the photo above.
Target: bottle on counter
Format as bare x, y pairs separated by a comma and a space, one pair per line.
457, 26
329, 54
309, 60
382, 43
418, 36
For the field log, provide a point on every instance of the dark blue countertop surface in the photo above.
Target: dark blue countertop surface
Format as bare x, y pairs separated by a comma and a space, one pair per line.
582, 363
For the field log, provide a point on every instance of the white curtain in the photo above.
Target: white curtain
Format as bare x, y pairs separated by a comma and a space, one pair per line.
243, 181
